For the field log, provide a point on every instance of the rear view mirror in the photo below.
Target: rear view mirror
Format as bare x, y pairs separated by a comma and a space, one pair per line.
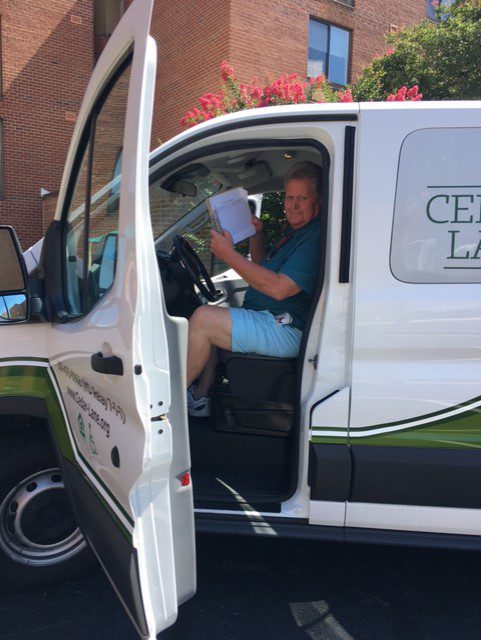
13, 294
184, 188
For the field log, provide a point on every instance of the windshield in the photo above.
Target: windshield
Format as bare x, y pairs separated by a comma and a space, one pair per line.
173, 198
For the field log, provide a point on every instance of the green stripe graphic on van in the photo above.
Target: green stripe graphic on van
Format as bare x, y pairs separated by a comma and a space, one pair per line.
458, 427
33, 381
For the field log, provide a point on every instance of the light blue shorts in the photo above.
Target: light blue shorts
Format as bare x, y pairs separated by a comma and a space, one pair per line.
258, 332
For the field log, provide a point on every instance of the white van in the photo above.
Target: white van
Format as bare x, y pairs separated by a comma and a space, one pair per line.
372, 434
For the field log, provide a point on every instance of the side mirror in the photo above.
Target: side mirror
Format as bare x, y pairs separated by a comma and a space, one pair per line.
13, 279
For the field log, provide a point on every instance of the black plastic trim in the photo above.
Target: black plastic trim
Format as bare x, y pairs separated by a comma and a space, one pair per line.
414, 539
52, 264
88, 189
242, 518
347, 194
417, 476
329, 474
265, 526
301, 530
258, 122
24, 406
214, 503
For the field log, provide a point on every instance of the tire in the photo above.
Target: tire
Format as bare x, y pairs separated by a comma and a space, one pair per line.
40, 542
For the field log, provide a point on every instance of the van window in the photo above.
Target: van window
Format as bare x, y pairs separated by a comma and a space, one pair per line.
168, 206
173, 199
436, 233
93, 216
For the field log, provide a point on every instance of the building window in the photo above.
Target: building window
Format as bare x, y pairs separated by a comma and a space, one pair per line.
430, 8
328, 52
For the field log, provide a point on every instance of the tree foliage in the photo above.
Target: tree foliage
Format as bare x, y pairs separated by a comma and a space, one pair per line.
272, 216
442, 58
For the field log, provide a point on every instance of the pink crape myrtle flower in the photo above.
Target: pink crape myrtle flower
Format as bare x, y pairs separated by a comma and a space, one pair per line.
286, 89
345, 96
226, 71
403, 94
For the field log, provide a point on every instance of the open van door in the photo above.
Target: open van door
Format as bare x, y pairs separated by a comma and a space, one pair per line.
115, 357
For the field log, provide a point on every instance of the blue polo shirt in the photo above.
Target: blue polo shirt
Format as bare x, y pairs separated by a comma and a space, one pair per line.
298, 259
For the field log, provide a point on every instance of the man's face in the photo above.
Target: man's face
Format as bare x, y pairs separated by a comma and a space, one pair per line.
301, 203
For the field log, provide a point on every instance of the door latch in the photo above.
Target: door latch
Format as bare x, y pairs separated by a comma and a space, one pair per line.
159, 418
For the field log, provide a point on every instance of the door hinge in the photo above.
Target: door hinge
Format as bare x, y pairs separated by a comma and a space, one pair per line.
313, 361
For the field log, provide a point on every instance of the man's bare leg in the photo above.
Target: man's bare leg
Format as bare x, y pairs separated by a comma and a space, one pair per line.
207, 376
208, 327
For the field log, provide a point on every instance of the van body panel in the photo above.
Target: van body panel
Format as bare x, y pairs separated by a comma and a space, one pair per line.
406, 333
330, 414
29, 344
415, 375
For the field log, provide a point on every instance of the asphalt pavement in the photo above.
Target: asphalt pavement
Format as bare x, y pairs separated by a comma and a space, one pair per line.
259, 589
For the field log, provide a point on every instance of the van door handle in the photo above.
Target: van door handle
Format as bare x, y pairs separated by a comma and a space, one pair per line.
111, 365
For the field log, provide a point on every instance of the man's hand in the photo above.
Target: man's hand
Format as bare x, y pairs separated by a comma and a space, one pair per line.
221, 245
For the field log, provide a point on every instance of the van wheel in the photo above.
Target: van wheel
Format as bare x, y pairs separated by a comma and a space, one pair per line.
40, 542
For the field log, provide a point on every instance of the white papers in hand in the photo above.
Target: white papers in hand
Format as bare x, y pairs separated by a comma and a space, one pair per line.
229, 211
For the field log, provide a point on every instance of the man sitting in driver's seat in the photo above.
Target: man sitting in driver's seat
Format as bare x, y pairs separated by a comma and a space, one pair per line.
281, 285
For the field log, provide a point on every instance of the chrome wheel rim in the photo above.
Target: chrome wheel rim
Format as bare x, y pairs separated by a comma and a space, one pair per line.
37, 526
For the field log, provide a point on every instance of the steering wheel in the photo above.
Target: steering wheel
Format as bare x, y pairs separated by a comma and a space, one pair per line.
195, 268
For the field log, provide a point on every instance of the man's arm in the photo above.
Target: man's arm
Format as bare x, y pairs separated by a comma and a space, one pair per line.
256, 243
274, 285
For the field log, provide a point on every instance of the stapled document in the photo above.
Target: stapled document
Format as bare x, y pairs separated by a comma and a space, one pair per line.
229, 211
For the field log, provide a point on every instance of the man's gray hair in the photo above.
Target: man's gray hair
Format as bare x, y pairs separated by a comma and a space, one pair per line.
306, 170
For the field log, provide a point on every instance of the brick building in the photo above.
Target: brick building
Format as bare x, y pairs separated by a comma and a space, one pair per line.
47, 57
42, 53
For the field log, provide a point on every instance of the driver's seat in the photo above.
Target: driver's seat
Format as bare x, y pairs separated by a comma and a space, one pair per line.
257, 396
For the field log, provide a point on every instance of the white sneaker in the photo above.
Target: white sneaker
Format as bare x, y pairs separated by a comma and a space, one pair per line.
197, 407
